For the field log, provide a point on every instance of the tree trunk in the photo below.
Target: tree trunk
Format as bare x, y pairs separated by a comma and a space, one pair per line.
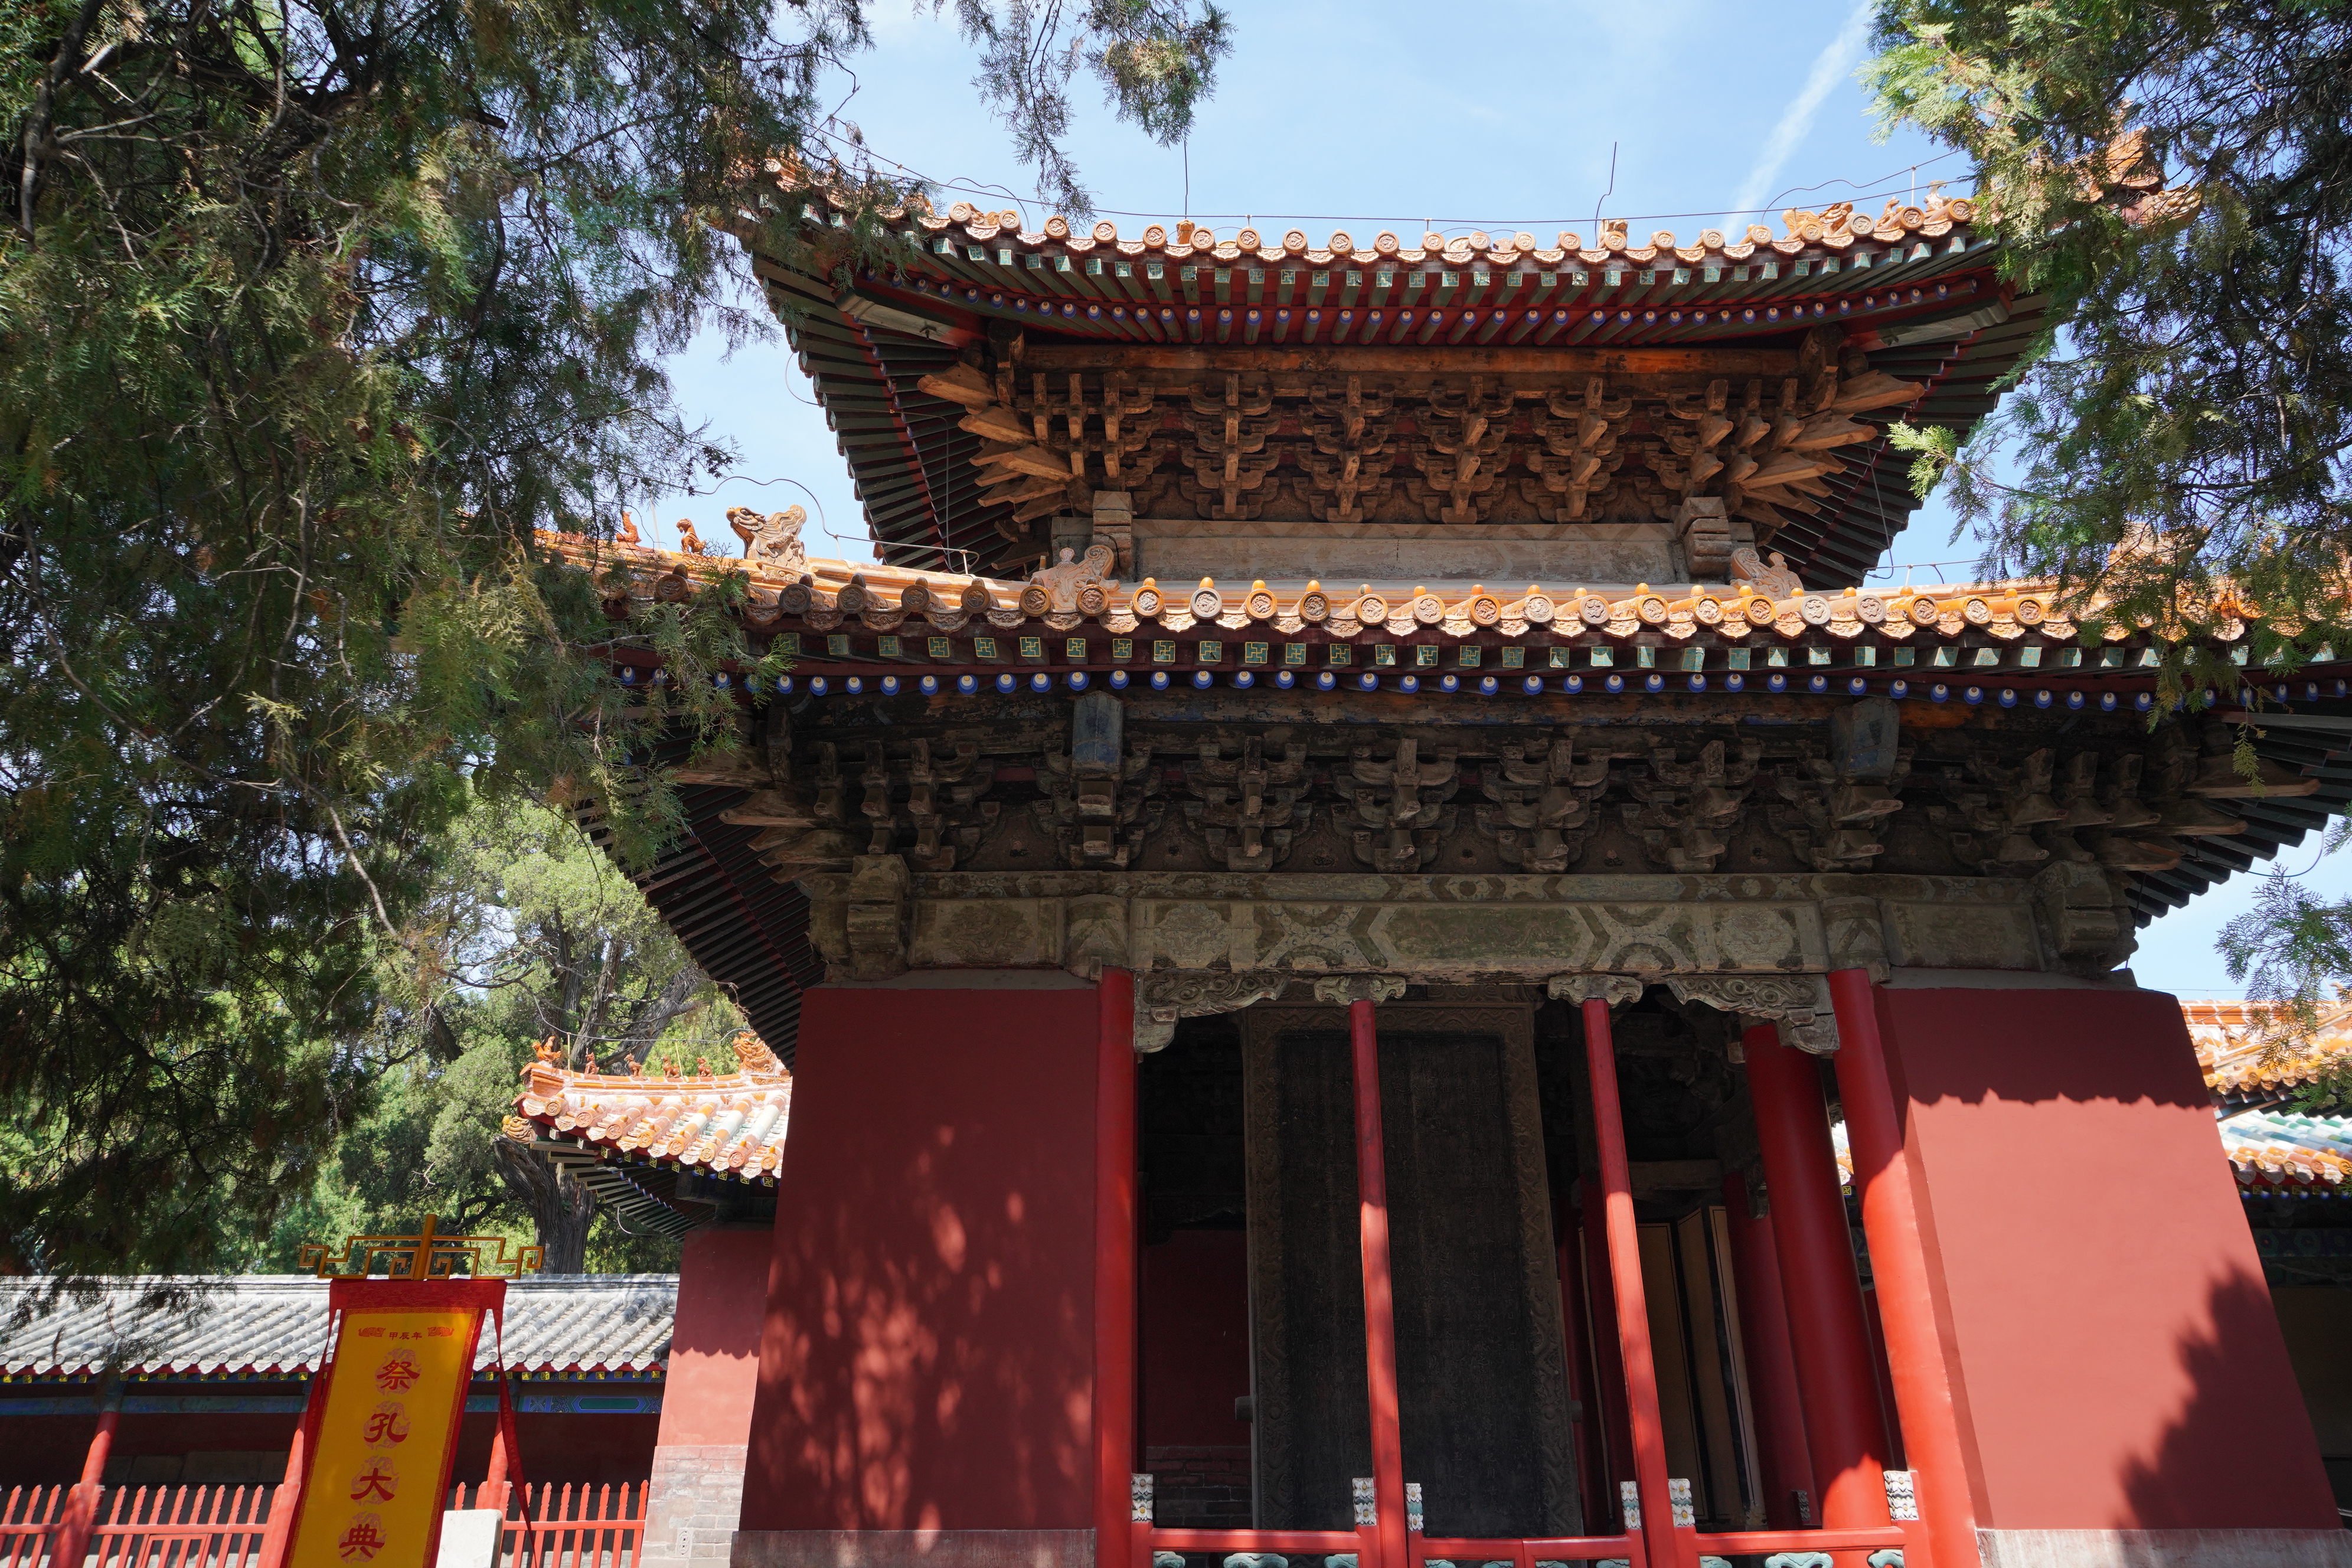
657, 1012
561, 1208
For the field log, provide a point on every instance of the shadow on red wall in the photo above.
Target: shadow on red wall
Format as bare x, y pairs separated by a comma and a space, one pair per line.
2168, 1484
2116, 1362
928, 1354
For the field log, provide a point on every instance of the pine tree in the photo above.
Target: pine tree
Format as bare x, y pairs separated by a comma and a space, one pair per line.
312, 313
2174, 176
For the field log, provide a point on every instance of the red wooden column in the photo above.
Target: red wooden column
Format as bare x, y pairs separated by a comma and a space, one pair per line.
71, 1540
1114, 1265
1379, 1303
1771, 1366
1616, 1432
1907, 1307
1843, 1427
1659, 1544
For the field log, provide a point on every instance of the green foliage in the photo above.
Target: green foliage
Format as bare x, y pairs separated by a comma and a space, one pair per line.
540, 935
2291, 950
2176, 176
426, 1146
1156, 58
312, 313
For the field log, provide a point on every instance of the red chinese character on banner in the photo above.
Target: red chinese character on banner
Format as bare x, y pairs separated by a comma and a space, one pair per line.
386, 1425
364, 1539
397, 1374
376, 1483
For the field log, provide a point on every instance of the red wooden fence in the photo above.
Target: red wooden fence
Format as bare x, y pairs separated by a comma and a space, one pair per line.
581, 1526
570, 1526
143, 1527
26, 1516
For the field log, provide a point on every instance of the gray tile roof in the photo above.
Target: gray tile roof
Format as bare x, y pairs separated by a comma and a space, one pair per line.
278, 1322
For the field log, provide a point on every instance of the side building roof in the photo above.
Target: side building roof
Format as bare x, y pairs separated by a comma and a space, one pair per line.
644, 1144
213, 1325
2274, 1148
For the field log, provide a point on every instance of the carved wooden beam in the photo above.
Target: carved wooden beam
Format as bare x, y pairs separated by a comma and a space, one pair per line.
1447, 360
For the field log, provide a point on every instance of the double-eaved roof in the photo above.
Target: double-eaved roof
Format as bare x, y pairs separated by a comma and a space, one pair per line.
1915, 287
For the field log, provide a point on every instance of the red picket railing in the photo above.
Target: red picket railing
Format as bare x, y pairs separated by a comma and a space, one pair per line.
1147, 1539
554, 1526
569, 1526
142, 1527
27, 1517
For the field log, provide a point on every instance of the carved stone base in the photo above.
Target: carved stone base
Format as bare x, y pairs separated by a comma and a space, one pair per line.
2166, 1548
913, 1549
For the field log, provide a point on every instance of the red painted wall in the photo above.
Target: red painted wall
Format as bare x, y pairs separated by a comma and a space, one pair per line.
46, 1449
928, 1352
563, 1449
43, 1451
714, 1348
1195, 1339
2118, 1362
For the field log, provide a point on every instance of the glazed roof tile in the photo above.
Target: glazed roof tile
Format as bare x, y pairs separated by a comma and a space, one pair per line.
866, 628
861, 597
2241, 1059
2278, 1150
725, 1124
1835, 230
1916, 287
276, 1324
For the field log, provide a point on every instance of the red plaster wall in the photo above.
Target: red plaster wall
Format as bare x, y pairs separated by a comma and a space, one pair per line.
2119, 1363
1195, 1339
714, 1348
928, 1352
44, 1449
563, 1449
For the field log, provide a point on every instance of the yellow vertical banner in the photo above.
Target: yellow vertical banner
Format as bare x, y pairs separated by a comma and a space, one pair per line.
380, 1462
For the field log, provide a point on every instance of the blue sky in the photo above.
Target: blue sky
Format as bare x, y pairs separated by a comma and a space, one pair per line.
1377, 115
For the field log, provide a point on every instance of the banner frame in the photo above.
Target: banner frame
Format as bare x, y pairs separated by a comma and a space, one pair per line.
462, 1293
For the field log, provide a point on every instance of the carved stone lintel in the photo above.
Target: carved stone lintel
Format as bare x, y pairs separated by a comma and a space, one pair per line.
1613, 989
2085, 918
1345, 988
1161, 999
875, 930
1856, 935
1115, 529
1094, 935
1798, 1004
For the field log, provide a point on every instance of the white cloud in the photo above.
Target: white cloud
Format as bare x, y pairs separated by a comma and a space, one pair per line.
1830, 66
